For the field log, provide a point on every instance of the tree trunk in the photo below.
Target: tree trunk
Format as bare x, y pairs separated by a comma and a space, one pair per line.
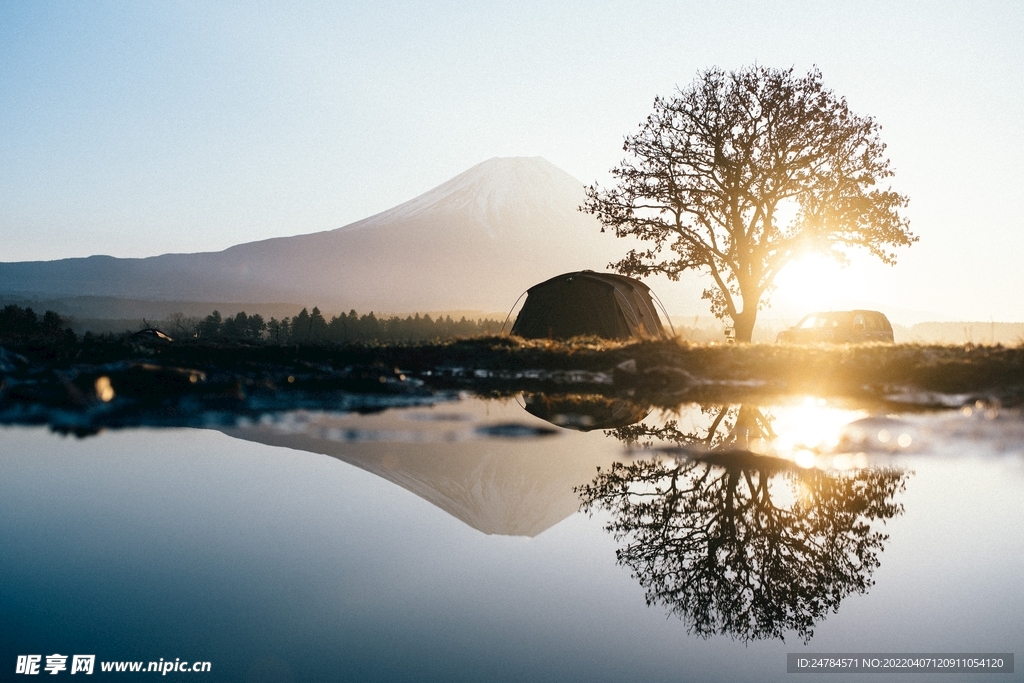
743, 324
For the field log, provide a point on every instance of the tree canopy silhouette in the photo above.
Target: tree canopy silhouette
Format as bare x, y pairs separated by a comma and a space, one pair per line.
47, 338
739, 544
742, 171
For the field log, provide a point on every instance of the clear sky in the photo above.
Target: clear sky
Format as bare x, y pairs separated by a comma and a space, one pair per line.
139, 128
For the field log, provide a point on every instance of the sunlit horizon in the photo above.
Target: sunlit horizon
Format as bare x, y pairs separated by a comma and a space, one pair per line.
140, 130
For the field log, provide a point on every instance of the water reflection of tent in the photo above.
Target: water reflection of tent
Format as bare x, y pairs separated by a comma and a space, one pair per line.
588, 303
584, 413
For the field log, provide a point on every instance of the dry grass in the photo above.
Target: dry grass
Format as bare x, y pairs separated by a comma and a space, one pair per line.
659, 372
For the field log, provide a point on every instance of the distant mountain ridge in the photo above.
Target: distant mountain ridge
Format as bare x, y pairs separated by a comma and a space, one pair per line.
474, 242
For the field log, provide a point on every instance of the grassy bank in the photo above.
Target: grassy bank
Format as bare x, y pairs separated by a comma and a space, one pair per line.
656, 367
130, 381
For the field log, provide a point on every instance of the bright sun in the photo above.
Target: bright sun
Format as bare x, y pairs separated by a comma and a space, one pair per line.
813, 283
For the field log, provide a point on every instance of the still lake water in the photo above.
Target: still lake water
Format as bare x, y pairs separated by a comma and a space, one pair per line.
447, 543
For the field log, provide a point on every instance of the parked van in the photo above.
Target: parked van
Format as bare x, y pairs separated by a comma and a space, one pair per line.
840, 327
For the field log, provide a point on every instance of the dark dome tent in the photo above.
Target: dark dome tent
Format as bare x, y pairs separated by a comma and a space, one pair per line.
588, 303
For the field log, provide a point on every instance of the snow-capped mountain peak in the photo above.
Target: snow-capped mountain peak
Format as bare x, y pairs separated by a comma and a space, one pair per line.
495, 191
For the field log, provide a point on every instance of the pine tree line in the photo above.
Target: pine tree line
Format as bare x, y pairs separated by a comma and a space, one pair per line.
311, 327
23, 324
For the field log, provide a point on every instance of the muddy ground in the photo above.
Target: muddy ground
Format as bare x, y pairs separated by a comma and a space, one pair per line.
136, 380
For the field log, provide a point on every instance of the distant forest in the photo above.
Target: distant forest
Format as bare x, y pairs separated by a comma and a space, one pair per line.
311, 327
19, 324
22, 325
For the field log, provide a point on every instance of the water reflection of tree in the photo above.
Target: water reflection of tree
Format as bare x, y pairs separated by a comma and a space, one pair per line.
739, 544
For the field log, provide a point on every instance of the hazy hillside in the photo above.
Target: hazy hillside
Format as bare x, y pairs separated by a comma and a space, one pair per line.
965, 333
106, 307
474, 242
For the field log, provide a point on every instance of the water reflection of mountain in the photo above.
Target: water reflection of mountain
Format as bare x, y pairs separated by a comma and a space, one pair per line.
741, 544
491, 478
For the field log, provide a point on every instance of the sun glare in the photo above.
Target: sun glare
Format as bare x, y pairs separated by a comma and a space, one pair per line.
809, 432
813, 283
812, 424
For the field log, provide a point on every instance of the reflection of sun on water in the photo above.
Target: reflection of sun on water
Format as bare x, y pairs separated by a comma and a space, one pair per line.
810, 432
806, 430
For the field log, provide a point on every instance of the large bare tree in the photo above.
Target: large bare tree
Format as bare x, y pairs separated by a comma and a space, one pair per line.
742, 171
